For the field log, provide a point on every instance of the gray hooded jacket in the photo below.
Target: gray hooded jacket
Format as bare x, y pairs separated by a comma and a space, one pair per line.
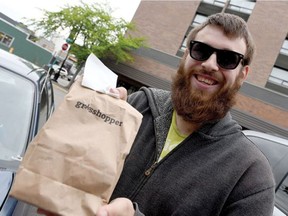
214, 171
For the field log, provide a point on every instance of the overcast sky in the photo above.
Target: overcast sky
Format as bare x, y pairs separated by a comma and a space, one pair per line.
17, 9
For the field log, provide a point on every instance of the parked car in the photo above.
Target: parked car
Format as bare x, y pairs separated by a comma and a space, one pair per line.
27, 101
275, 149
63, 72
72, 72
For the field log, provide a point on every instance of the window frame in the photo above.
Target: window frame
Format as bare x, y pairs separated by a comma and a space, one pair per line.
6, 36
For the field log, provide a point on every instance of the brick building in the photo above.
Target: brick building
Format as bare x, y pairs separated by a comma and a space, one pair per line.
262, 103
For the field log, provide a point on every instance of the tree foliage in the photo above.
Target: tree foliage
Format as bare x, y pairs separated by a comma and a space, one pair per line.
97, 30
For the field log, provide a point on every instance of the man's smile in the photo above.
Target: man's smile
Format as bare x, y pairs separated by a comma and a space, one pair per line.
205, 80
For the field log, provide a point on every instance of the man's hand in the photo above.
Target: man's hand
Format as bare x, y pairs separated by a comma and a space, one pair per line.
118, 207
121, 91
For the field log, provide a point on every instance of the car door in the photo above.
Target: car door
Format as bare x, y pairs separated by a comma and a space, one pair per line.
275, 148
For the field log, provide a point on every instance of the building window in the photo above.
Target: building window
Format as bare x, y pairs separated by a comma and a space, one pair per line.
278, 79
183, 46
279, 76
5, 39
284, 49
198, 19
235, 5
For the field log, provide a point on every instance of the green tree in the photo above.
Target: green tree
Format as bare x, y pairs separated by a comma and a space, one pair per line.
94, 26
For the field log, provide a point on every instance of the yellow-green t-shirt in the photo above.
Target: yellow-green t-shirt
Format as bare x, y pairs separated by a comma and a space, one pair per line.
174, 137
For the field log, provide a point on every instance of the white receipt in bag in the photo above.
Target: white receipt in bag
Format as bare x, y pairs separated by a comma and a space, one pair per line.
97, 76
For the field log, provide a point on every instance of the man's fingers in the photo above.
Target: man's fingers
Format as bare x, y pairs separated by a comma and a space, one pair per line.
121, 91
118, 207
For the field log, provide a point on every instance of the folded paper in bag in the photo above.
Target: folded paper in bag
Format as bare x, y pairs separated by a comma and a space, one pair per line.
73, 164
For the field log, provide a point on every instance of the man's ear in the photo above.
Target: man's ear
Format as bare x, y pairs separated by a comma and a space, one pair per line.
244, 72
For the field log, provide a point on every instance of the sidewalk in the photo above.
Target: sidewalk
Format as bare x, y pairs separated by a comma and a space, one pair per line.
61, 84
60, 90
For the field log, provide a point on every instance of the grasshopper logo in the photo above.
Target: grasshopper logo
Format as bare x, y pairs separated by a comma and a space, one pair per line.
98, 113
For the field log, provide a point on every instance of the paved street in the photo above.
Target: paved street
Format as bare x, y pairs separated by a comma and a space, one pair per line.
60, 90
62, 82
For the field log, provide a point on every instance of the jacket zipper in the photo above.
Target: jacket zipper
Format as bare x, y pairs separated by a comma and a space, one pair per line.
147, 173
151, 169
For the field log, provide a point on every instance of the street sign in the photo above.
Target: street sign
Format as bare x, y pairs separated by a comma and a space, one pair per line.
69, 40
65, 46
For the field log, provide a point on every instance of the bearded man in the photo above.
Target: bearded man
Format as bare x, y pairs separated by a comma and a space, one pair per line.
190, 157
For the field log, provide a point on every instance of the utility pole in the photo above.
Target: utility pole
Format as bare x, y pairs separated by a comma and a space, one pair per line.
65, 47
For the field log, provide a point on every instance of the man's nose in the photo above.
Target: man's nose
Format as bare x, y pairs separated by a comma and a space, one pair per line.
211, 63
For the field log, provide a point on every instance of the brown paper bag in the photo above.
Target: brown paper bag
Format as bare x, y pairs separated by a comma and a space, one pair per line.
72, 166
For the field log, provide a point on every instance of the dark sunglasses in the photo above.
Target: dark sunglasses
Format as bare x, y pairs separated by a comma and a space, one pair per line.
226, 59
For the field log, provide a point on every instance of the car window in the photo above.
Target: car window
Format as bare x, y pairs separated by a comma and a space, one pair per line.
50, 98
282, 196
43, 108
5, 182
6, 179
273, 150
17, 98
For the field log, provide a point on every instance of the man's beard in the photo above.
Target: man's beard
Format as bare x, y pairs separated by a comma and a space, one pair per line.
197, 107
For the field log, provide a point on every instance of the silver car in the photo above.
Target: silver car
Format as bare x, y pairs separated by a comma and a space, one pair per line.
27, 101
276, 150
